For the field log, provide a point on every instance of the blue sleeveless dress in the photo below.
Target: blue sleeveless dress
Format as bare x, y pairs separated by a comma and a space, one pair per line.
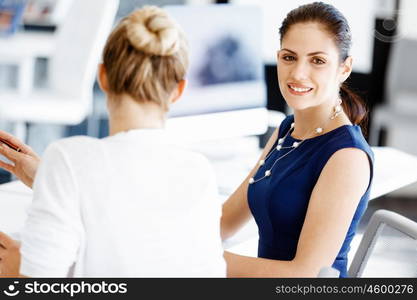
279, 202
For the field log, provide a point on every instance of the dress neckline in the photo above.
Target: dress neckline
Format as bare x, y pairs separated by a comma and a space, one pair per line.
337, 129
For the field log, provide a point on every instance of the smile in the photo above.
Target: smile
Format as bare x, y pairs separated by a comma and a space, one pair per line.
299, 90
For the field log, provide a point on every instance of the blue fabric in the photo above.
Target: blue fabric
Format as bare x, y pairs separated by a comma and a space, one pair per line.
279, 202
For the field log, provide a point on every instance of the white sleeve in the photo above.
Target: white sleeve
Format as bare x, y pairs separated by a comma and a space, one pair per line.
53, 231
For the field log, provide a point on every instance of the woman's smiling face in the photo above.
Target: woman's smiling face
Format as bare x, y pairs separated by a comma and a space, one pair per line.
309, 67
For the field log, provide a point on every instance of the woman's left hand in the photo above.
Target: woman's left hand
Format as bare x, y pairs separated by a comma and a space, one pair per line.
9, 256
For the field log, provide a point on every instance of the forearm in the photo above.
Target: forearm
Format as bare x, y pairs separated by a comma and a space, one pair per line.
229, 229
235, 214
245, 266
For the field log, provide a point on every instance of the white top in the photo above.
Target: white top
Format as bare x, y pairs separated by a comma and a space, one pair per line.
129, 205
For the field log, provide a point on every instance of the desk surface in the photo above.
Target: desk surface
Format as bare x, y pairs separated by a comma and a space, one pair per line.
393, 169
26, 44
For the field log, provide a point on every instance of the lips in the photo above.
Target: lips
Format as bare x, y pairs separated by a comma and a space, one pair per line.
299, 90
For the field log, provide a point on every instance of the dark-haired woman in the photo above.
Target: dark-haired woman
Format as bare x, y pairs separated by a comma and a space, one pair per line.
311, 184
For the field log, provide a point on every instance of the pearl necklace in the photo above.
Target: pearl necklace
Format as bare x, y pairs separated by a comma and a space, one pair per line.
295, 145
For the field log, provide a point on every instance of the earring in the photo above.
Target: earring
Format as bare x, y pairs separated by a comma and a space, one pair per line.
337, 109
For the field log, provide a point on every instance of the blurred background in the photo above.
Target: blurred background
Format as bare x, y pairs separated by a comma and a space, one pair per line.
48, 57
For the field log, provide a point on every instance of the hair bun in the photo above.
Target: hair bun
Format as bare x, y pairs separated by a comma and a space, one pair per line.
152, 31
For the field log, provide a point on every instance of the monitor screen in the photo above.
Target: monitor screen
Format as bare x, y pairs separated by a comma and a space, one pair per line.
226, 72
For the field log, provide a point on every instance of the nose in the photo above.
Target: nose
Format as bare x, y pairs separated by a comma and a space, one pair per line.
300, 71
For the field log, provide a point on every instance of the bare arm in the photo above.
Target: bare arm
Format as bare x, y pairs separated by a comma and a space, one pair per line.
24, 163
332, 205
236, 210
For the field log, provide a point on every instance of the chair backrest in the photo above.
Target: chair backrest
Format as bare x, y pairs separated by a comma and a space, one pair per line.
401, 69
79, 42
328, 272
388, 247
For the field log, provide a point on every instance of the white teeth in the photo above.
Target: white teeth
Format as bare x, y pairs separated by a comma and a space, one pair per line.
300, 90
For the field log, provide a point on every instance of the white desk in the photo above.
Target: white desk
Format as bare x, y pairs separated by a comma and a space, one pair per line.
393, 169
22, 49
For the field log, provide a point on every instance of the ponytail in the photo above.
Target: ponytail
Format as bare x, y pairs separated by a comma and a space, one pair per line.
354, 107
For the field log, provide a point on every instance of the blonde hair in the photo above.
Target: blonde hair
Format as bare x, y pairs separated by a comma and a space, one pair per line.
146, 56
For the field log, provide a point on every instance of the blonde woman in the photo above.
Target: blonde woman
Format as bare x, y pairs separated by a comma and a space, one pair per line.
132, 204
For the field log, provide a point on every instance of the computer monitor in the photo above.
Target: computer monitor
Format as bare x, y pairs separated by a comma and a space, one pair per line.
226, 92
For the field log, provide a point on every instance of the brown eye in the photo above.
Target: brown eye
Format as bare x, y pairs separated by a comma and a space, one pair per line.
288, 58
318, 61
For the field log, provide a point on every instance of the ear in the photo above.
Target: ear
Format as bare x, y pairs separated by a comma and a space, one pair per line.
176, 94
102, 78
346, 69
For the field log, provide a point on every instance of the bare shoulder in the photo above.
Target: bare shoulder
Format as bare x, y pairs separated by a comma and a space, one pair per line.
349, 166
350, 158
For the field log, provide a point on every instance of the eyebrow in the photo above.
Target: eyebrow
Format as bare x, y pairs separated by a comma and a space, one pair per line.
309, 54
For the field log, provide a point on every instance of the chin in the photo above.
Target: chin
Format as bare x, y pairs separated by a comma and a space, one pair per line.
299, 104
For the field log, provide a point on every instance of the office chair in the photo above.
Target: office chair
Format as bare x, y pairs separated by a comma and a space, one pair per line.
400, 108
69, 96
388, 248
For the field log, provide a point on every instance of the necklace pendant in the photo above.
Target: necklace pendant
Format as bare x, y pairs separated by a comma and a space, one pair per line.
319, 130
267, 173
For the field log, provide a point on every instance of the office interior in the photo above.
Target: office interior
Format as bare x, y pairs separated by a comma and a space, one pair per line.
385, 43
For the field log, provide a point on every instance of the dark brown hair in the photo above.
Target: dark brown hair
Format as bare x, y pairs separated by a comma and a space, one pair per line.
336, 24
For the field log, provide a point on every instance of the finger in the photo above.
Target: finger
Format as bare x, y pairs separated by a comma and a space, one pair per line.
9, 153
5, 240
7, 167
16, 142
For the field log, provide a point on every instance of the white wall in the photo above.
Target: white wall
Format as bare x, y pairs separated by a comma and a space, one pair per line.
407, 18
199, 2
385, 8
